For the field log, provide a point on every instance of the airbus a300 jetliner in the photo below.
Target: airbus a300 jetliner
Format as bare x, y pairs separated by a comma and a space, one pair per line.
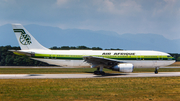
119, 60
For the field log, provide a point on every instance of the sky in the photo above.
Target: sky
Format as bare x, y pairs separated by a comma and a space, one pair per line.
122, 16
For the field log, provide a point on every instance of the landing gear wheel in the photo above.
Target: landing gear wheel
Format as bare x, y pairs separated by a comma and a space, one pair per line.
102, 73
156, 70
99, 72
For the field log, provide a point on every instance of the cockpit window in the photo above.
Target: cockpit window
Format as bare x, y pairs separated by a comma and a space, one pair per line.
169, 56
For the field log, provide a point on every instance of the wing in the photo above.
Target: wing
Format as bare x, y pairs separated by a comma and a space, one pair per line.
97, 61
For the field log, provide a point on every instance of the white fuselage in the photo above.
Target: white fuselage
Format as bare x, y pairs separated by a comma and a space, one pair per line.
137, 58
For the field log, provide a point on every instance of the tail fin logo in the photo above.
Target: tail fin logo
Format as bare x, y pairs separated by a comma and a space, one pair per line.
24, 39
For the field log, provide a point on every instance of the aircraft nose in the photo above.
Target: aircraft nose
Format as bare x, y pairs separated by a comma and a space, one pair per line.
173, 58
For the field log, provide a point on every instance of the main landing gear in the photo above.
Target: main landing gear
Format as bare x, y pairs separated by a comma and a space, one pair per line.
99, 71
156, 70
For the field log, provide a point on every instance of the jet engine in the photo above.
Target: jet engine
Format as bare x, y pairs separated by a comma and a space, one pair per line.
124, 67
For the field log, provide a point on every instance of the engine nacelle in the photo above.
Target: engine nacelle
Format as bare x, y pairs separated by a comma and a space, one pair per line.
124, 67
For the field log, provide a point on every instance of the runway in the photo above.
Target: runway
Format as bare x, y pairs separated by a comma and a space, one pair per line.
65, 76
61, 67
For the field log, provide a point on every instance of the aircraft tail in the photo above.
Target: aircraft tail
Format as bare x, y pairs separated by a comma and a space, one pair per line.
25, 39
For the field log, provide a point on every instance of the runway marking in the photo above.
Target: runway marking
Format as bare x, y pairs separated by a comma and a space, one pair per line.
63, 76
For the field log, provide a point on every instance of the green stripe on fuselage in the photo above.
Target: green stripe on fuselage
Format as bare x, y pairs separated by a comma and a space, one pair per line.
120, 57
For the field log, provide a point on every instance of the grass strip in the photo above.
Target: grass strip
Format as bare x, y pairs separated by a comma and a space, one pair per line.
101, 89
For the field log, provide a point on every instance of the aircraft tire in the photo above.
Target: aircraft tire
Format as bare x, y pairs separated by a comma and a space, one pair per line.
97, 72
102, 73
156, 72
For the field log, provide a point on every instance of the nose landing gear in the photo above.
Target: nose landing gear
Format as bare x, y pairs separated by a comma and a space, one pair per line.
156, 70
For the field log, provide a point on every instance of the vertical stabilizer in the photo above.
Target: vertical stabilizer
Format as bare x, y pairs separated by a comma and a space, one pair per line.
25, 39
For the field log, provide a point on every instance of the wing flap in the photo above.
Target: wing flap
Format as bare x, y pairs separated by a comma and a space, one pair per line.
96, 61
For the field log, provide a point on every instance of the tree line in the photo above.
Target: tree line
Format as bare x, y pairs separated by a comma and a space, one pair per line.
8, 58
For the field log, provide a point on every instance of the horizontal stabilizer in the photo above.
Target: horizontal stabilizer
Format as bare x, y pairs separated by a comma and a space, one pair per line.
18, 52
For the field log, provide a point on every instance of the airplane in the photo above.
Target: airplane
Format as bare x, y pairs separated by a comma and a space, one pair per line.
118, 60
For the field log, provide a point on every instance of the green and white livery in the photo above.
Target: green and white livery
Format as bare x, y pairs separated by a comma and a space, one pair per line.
119, 60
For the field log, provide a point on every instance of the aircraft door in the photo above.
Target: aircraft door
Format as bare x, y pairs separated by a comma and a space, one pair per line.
160, 57
138, 57
53, 56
